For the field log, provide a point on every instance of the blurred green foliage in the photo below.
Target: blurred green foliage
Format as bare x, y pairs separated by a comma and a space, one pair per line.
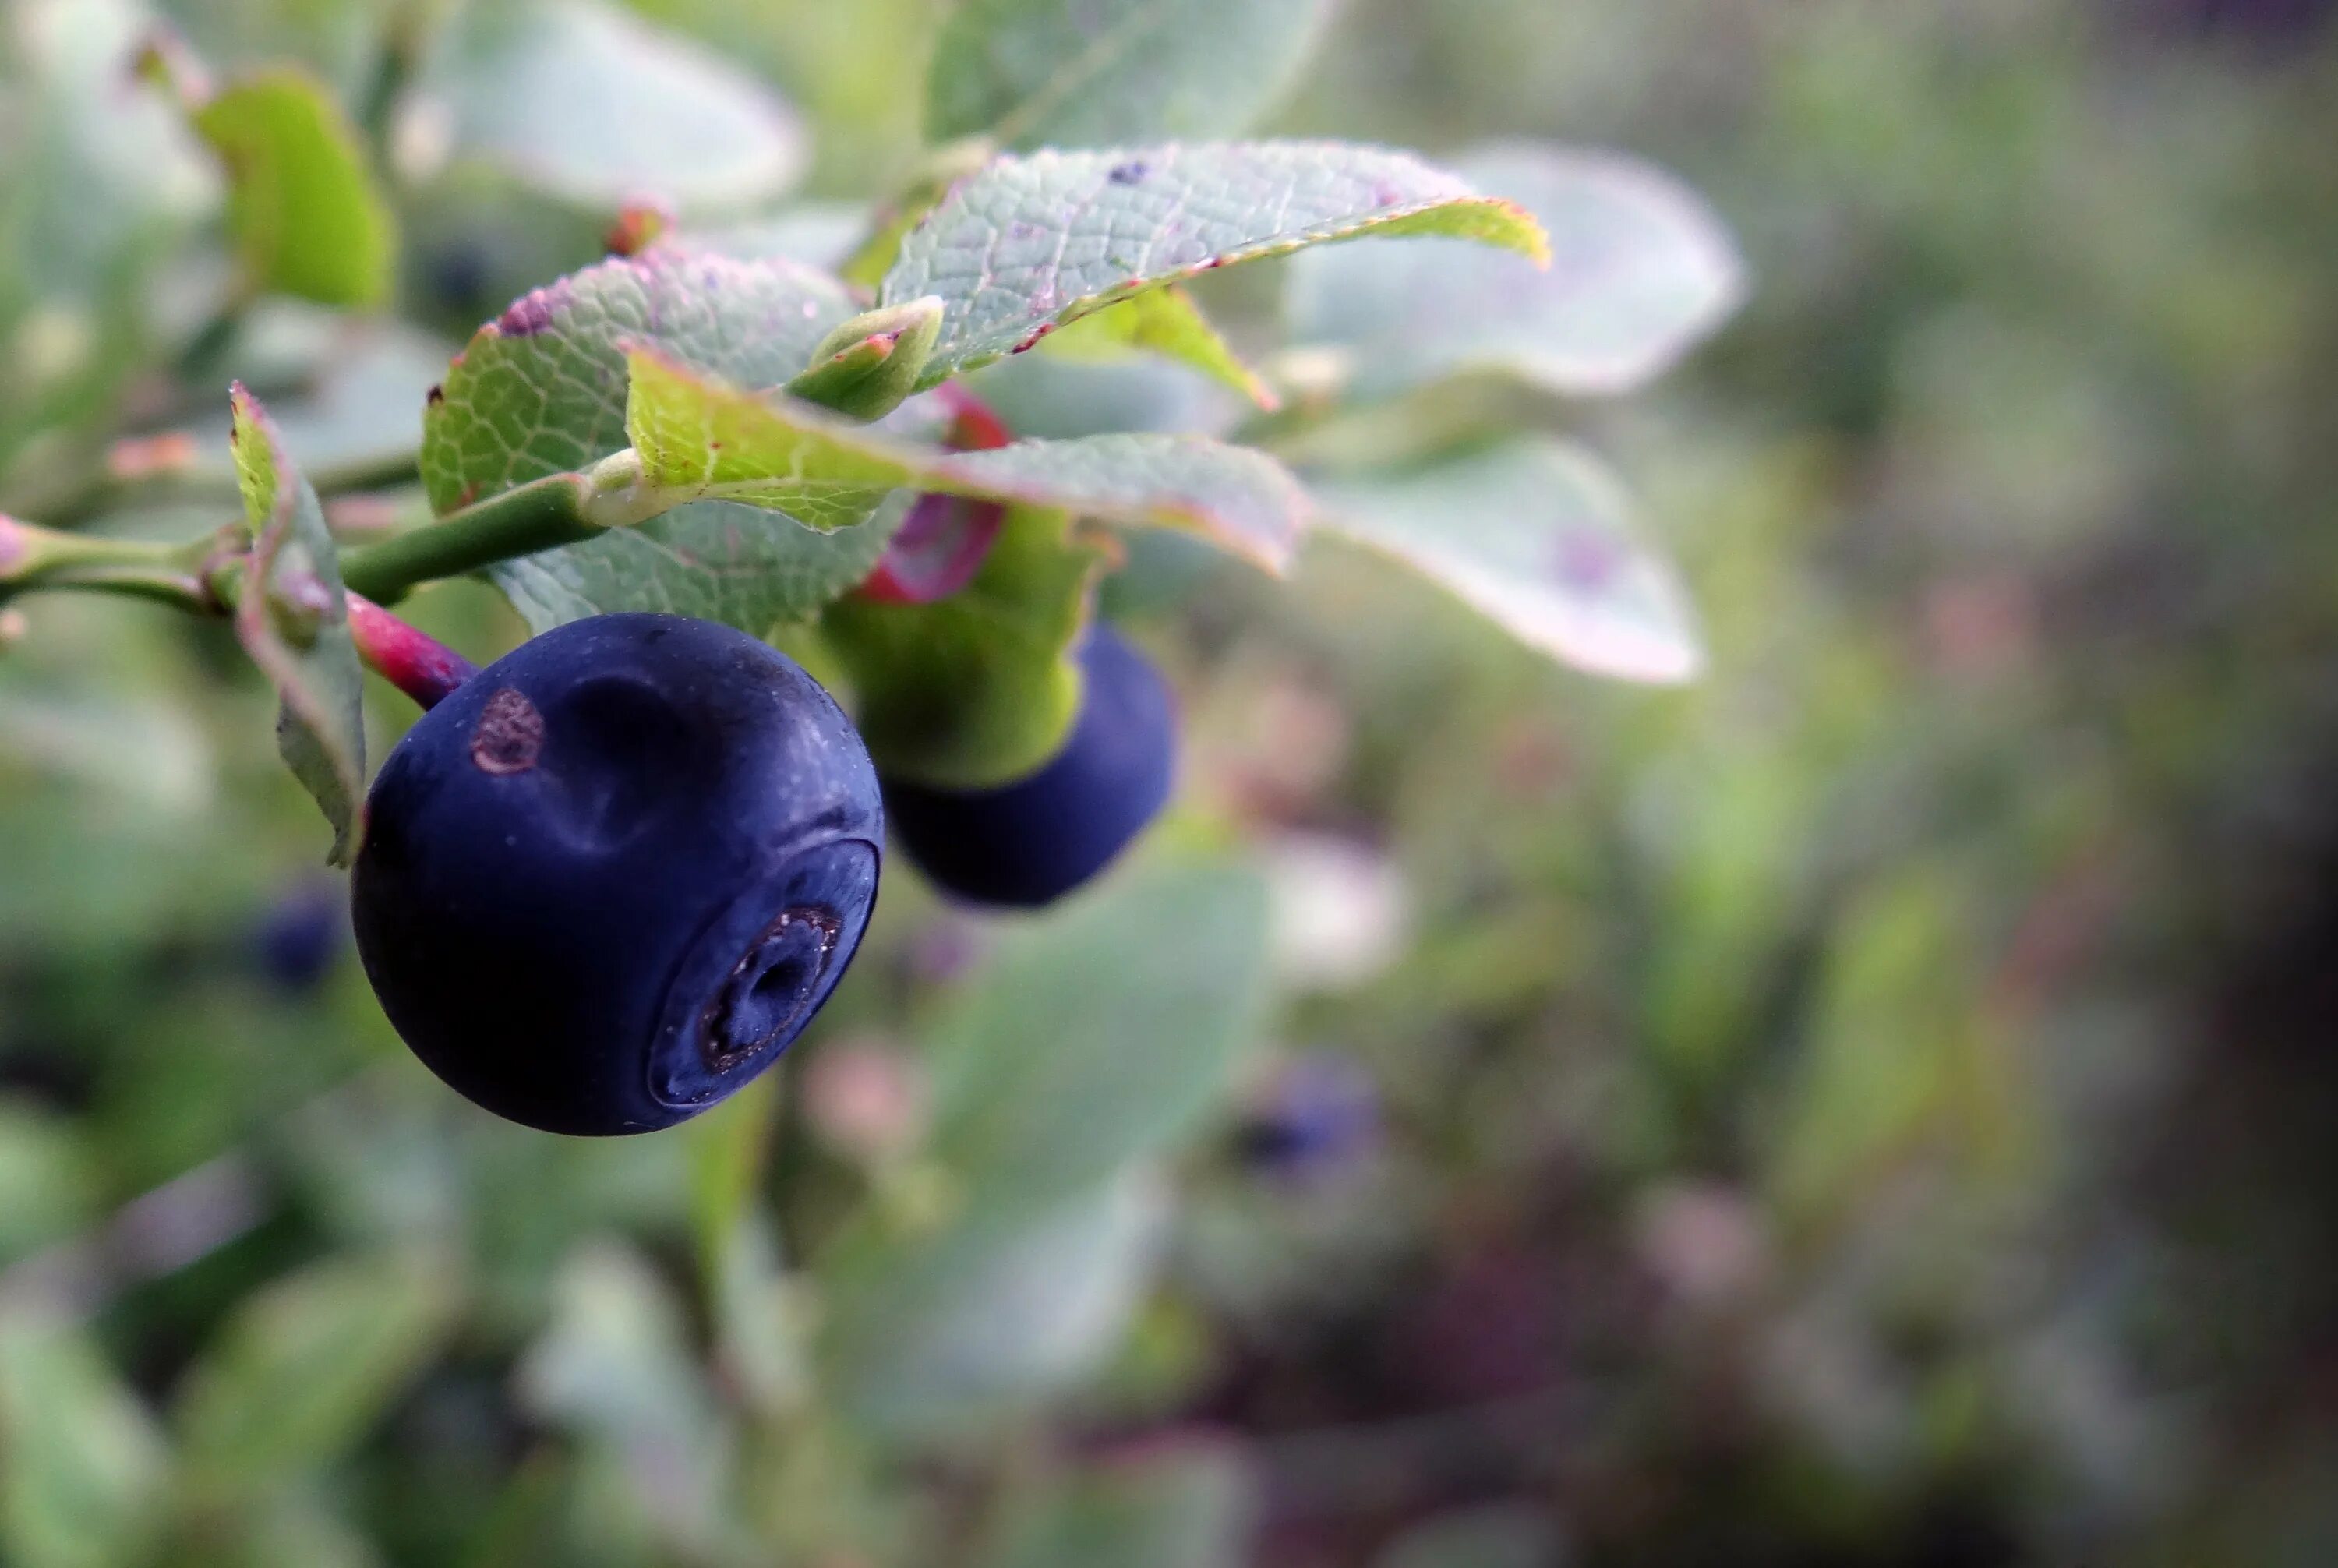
1871, 1106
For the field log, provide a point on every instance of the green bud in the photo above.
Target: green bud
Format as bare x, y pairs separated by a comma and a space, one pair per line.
868, 365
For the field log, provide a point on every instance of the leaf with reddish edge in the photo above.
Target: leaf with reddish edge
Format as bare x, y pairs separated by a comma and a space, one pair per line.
1031, 244
292, 618
941, 544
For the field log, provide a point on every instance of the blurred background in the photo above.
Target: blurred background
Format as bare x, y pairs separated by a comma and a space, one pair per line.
1876, 1106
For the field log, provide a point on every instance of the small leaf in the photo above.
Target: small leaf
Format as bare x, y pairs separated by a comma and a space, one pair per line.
1097, 72
978, 687
308, 1364
1190, 1506
292, 618
86, 1465
306, 216
1030, 244
1164, 321
869, 365
589, 103
1641, 271
1000, 1309
1098, 1034
542, 391
1536, 535
699, 437
615, 1365
361, 409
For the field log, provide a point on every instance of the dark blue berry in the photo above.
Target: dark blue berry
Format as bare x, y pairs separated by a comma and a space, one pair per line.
1036, 839
609, 879
300, 933
1319, 1114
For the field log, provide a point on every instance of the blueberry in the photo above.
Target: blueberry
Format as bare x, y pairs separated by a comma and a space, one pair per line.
1318, 1115
299, 935
1035, 839
610, 877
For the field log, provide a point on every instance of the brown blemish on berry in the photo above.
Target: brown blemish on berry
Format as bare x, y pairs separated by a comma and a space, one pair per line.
509, 735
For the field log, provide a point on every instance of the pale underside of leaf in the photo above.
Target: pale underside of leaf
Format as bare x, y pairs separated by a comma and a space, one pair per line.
1537, 536
592, 105
699, 438
1090, 73
1031, 244
1641, 271
320, 729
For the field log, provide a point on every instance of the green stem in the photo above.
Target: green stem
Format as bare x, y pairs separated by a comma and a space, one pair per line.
34, 557
540, 516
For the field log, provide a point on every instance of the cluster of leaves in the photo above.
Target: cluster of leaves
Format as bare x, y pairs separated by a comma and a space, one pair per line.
670, 413
728, 420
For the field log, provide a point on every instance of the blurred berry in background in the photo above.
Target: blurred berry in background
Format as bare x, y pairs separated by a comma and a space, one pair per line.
302, 932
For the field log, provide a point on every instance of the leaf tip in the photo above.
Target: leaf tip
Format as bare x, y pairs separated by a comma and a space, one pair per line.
1522, 233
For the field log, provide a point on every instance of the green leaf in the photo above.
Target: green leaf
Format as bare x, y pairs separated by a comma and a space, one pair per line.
615, 1358
308, 1365
307, 217
1190, 1506
542, 391
1641, 271
291, 617
698, 437
939, 1332
615, 1365
84, 1467
1099, 1033
590, 103
1536, 535
1164, 321
48, 1181
101, 180
361, 409
1098, 72
1031, 244
978, 687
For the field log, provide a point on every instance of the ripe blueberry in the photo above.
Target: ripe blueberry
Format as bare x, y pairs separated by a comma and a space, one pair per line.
1315, 1117
298, 936
607, 880
1035, 839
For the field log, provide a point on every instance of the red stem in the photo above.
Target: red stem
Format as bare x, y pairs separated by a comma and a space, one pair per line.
422, 667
